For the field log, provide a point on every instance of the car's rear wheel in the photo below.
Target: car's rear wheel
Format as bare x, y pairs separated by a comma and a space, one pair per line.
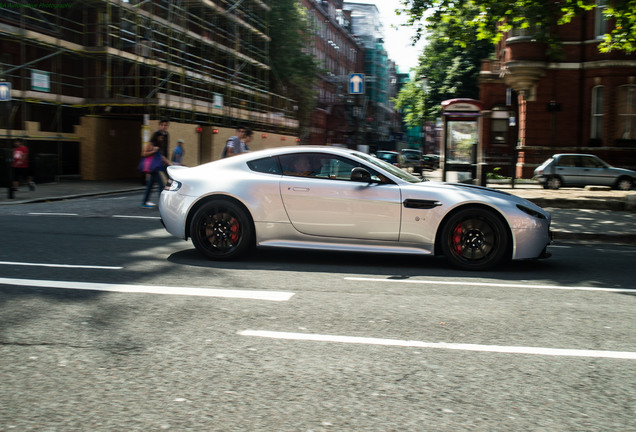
221, 230
624, 184
475, 239
553, 183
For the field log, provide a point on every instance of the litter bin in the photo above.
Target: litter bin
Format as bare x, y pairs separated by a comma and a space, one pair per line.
45, 168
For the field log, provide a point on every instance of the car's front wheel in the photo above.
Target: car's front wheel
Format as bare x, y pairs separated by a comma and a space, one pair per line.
553, 183
624, 184
475, 239
221, 230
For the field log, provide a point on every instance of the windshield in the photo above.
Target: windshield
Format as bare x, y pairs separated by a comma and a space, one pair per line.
400, 173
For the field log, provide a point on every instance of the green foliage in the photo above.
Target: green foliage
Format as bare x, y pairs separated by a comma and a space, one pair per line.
447, 69
491, 18
495, 174
293, 69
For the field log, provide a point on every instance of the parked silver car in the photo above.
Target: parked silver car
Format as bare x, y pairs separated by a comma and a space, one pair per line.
567, 169
330, 198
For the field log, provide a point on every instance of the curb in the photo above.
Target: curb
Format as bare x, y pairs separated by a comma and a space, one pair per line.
615, 204
628, 239
70, 196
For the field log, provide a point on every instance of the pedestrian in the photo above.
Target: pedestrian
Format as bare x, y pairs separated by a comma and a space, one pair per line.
238, 144
152, 164
177, 153
162, 131
20, 165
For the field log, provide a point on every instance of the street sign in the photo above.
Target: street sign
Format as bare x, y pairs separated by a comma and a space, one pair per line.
5, 91
356, 83
40, 81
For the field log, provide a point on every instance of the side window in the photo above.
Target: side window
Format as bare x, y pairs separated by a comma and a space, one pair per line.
338, 169
589, 162
322, 166
567, 161
267, 165
301, 164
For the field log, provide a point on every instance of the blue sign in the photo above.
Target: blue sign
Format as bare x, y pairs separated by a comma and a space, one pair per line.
5, 91
356, 83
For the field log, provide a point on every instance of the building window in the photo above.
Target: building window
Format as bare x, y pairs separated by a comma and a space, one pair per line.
627, 112
597, 113
600, 22
500, 132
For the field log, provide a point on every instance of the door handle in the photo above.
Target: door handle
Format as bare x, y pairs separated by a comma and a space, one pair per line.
300, 189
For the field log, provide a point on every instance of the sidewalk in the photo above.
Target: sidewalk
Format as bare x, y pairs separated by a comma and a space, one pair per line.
577, 213
68, 189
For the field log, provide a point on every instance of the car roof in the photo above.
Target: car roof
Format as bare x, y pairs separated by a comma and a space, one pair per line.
275, 151
572, 154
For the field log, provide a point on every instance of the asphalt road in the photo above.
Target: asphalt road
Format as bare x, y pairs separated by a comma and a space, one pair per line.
108, 324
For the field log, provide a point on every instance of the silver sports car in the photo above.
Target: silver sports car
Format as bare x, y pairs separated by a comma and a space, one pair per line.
331, 198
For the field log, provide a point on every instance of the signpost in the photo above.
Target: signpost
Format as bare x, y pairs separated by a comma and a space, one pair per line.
5, 91
356, 83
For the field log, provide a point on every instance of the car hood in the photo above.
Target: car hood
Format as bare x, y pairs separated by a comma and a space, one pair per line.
623, 171
461, 192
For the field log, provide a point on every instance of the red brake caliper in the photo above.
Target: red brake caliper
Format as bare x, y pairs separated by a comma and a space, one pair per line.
457, 239
235, 231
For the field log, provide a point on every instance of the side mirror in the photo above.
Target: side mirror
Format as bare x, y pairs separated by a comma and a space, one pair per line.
360, 175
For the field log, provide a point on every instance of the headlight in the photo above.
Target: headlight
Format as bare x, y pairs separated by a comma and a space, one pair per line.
531, 212
172, 185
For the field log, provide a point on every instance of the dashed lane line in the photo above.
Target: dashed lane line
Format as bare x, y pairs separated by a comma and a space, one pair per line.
277, 296
77, 214
625, 355
77, 266
494, 284
52, 214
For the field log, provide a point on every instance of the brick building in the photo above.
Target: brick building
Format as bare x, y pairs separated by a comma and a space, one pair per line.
577, 100
339, 53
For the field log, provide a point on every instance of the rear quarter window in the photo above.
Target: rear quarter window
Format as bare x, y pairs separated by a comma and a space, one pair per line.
268, 165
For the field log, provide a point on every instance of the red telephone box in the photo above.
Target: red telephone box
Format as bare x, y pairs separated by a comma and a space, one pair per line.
460, 138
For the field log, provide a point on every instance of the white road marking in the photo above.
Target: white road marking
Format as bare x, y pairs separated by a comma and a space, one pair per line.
53, 214
76, 214
151, 289
136, 217
626, 355
59, 265
489, 284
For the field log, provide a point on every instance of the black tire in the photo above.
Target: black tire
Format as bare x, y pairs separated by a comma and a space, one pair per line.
221, 230
475, 239
554, 182
624, 184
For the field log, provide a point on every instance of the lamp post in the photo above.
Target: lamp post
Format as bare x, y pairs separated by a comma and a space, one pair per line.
424, 98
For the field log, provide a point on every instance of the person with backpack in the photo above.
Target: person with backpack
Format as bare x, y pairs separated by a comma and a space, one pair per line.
237, 144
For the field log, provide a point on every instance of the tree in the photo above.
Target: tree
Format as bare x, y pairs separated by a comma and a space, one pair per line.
496, 17
446, 70
293, 69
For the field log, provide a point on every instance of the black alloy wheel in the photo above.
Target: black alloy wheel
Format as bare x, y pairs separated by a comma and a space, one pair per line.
221, 230
475, 239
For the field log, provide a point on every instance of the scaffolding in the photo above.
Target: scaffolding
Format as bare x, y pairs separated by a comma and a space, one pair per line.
190, 61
